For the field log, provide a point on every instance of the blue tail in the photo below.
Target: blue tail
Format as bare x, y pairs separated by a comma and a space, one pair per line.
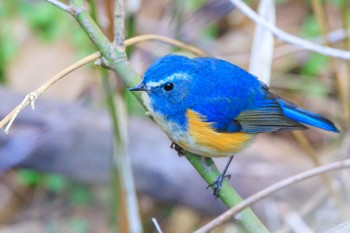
306, 117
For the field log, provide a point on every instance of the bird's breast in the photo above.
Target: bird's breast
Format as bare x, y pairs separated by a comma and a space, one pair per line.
211, 142
198, 136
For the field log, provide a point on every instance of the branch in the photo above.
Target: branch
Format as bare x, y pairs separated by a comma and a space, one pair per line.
272, 189
282, 35
60, 5
31, 97
166, 40
209, 172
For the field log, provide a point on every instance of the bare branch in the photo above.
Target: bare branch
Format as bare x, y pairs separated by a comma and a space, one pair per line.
156, 225
60, 5
272, 189
31, 97
282, 35
167, 40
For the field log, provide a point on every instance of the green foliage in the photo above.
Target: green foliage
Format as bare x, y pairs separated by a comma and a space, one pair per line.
311, 28
51, 182
44, 19
79, 194
315, 65
55, 183
79, 225
316, 62
194, 4
29, 177
211, 31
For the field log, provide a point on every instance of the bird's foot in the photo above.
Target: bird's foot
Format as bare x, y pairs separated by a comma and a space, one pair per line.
180, 151
216, 185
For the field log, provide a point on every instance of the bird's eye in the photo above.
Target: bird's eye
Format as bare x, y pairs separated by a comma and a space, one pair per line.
168, 86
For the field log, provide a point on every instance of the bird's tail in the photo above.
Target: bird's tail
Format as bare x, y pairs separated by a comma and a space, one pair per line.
306, 117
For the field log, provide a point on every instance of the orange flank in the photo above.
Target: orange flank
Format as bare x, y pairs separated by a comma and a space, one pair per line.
204, 135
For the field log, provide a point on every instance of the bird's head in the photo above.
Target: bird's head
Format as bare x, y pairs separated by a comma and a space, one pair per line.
167, 83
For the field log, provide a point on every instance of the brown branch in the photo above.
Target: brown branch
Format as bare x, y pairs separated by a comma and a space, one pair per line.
31, 97
272, 189
167, 40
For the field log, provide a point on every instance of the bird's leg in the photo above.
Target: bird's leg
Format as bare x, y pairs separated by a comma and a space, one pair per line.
180, 151
216, 185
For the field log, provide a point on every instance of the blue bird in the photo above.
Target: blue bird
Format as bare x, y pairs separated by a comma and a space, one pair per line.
213, 108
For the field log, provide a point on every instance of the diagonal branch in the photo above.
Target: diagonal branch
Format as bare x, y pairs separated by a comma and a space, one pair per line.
31, 97
272, 189
284, 36
61, 5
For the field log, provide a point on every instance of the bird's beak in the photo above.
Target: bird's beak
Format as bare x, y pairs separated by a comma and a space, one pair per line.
139, 87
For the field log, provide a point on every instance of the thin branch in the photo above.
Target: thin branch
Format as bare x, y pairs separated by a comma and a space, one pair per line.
272, 189
60, 5
156, 225
31, 97
167, 40
282, 35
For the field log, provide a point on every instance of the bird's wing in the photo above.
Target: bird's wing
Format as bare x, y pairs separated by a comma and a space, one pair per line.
231, 115
267, 117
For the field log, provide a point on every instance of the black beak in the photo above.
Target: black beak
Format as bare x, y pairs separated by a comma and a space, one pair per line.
139, 87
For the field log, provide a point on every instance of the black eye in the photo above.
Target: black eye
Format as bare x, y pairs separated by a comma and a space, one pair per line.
168, 86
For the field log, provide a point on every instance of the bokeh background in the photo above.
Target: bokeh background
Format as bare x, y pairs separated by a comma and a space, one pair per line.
55, 163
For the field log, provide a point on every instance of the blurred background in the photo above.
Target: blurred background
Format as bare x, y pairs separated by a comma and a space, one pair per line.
55, 163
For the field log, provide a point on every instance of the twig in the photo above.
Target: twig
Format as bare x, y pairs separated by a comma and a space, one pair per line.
31, 97
272, 189
282, 35
156, 225
60, 5
167, 40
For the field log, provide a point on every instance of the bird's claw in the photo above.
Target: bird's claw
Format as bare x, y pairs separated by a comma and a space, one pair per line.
216, 185
180, 151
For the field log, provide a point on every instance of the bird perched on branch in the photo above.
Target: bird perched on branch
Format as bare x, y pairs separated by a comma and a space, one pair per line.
213, 108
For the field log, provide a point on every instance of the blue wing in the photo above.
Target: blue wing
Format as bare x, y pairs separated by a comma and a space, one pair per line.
266, 116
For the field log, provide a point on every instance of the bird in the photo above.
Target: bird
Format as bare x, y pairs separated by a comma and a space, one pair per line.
213, 108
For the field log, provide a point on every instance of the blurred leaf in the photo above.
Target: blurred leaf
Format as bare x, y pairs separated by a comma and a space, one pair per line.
79, 194
29, 177
194, 4
311, 27
44, 18
316, 64
79, 225
55, 183
211, 31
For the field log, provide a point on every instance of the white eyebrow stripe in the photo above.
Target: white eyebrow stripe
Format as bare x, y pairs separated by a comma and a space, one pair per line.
183, 76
